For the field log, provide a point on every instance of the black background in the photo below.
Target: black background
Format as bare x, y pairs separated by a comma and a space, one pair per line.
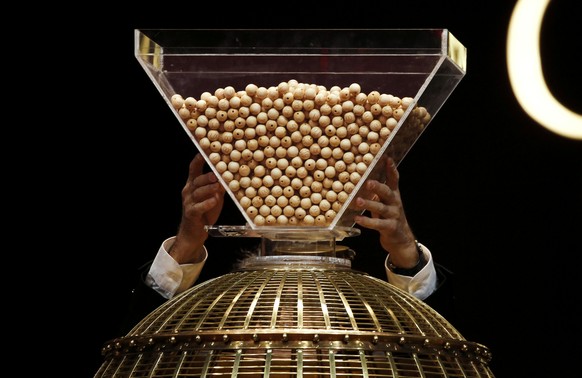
496, 197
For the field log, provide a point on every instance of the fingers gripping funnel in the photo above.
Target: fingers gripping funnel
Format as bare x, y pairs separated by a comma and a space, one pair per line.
294, 122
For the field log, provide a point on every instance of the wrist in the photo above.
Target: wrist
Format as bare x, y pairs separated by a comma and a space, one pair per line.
409, 271
186, 252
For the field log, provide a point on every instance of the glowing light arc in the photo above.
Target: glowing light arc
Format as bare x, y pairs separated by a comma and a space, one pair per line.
525, 71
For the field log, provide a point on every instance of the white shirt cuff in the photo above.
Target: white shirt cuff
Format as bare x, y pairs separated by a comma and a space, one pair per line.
422, 284
169, 278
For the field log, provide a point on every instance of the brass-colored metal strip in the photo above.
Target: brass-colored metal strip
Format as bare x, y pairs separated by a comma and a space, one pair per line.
364, 364
278, 300
256, 300
268, 357
345, 302
299, 301
249, 283
369, 308
236, 363
323, 302
419, 365
332, 368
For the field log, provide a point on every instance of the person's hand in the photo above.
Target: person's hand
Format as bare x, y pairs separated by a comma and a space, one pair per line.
388, 218
202, 201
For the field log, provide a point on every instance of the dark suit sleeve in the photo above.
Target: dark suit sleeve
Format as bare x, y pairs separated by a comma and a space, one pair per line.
442, 299
143, 300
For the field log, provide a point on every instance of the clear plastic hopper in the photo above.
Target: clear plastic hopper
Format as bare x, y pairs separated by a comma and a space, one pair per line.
293, 122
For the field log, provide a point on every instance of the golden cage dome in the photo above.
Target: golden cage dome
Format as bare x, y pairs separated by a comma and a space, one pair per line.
294, 316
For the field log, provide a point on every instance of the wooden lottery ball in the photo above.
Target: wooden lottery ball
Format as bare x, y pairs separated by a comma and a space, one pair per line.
282, 201
300, 213
305, 203
299, 117
256, 182
221, 167
240, 122
327, 182
348, 188
177, 101
252, 212
329, 172
294, 201
307, 140
258, 155
316, 186
331, 195
343, 196
293, 152
249, 161
354, 178
269, 151
372, 137
314, 211
268, 181
308, 220
284, 181
316, 198
286, 141
240, 145
259, 171
257, 201
245, 202
288, 211
234, 185
213, 135
398, 113
277, 191
281, 152
214, 158
265, 210
339, 166
245, 182
296, 137
320, 220
271, 163
384, 133
330, 215
270, 200
274, 141
251, 192
233, 166
302, 172
276, 210
375, 148
354, 89
227, 176
282, 164
259, 220
252, 144
263, 191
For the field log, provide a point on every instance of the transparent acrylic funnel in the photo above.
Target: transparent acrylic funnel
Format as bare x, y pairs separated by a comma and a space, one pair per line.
294, 122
